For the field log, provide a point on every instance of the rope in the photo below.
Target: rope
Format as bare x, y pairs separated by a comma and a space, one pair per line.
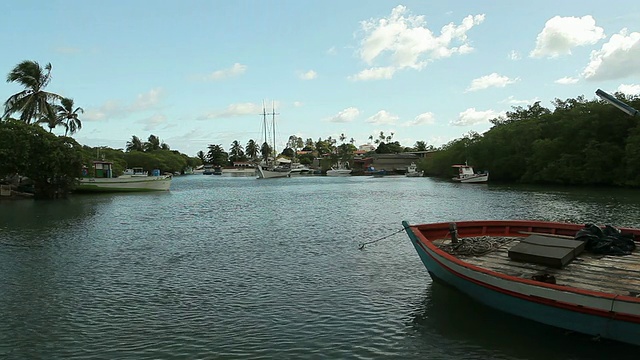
476, 246
362, 245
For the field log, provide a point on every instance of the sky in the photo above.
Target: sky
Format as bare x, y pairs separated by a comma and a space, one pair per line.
196, 72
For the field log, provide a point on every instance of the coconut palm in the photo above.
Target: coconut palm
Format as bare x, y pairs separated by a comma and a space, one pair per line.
236, 153
33, 102
152, 144
69, 115
51, 119
135, 144
252, 149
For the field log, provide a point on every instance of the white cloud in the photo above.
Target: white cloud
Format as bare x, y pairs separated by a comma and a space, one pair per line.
422, 119
566, 81
472, 116
374, 74
513, 101
514, 55
383, 117
309, 75
332, 51
153, 122
491, 80
629, 89
235, 70
114, 108
297, 104
234, 110
561, 34
346, 115
402, 40
618, 58
148, 100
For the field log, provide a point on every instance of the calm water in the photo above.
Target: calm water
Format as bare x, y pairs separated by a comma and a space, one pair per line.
239, 268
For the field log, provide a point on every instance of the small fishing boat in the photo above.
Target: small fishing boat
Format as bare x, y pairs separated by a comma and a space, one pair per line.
412, 171
576, 277
133, 180
466, 174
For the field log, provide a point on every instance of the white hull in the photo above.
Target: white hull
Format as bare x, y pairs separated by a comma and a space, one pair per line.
269, 174
477, 178
338, 172
414, 174
125, 184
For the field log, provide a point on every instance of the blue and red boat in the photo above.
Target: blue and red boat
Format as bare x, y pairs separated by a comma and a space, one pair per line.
552, 273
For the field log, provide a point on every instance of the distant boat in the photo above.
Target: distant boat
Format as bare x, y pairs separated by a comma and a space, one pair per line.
467, 175
412, 171
339, 170
270, 169
134, 180
374, 172
299, 169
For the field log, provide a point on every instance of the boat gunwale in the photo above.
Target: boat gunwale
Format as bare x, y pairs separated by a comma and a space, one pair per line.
423, 241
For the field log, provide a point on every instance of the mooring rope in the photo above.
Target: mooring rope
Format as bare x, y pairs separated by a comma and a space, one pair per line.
476, 246
362, 245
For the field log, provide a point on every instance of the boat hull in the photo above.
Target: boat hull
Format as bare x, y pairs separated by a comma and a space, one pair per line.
264, 173
128, 184
339, 172
598, 314
478, 178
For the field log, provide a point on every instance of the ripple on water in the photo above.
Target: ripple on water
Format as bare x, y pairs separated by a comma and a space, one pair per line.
239, 268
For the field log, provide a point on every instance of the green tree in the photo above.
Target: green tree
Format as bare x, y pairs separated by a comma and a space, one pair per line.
217, 155
252, 149
201, 155
33, 103
236, 153
53, 163
67, 114
152, 144
265, 151
135, 144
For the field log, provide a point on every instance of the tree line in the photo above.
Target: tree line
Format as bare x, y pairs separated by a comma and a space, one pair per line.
578, 142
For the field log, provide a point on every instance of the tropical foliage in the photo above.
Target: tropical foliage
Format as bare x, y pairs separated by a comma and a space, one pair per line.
52, 163
580, 142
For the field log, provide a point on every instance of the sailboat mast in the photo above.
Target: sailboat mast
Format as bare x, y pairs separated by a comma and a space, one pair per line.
273, 123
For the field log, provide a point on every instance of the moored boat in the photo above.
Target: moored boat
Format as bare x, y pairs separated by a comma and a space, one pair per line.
102, 180
466, 174
412, 171
553, 273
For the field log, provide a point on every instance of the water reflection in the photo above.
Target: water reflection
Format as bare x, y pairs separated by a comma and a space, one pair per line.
487, 333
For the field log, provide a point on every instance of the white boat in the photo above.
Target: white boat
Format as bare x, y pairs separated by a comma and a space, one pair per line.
338, 172
268, 168
299, 169
103, 180
467, 175
412, 171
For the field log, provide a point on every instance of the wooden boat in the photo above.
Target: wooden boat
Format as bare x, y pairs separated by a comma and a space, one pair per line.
466, 174
102, 180
537, 270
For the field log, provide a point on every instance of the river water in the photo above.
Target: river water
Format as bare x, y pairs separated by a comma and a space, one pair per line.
228, 267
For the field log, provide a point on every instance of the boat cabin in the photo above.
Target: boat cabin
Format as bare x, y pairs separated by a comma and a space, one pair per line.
100, 169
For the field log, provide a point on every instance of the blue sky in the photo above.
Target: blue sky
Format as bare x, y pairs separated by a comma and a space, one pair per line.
196, 72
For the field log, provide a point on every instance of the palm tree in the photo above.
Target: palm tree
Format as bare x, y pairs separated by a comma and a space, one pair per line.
50, 118
153, 143
252, 149
265, 150
200, 155
236, 153
135, 144
67, 113
32, 102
